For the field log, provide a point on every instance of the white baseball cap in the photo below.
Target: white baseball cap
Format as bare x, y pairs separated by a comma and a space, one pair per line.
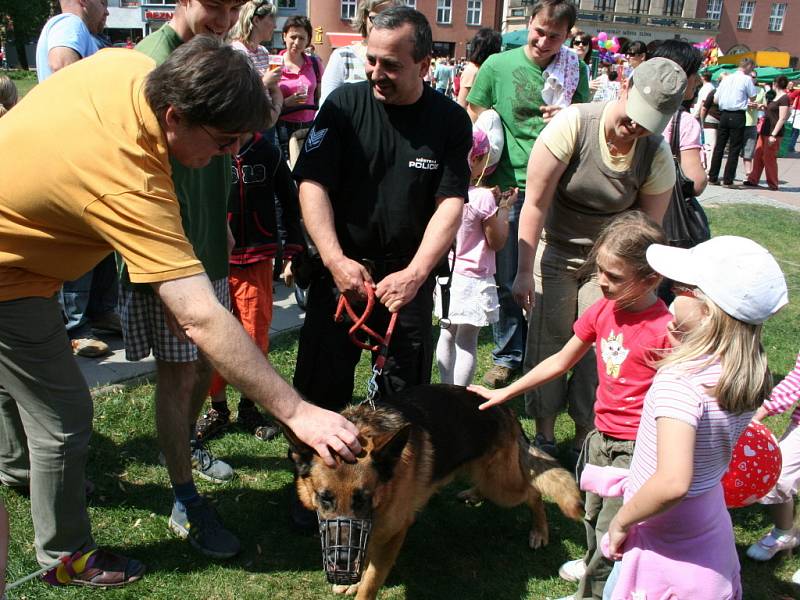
735, 273
489, 122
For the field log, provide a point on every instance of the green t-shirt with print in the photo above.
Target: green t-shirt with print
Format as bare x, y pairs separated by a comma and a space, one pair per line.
202, 193
511, 84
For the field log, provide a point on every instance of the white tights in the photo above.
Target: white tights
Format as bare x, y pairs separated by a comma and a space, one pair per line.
456, 353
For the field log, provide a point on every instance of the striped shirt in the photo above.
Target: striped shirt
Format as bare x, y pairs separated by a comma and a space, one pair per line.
680, 393
259, 57
785, 394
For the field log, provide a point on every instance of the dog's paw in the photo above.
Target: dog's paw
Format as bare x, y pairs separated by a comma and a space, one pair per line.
470, 497
537, 539
347, 590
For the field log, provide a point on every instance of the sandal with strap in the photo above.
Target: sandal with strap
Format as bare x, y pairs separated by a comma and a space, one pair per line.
211, 424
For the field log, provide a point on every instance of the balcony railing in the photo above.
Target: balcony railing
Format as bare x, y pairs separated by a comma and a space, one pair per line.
648, 20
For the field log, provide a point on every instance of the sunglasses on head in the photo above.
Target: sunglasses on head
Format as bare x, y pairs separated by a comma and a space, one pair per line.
263, 7
681, 289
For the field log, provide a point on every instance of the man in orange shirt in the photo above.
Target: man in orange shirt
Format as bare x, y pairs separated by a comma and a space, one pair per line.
109, 187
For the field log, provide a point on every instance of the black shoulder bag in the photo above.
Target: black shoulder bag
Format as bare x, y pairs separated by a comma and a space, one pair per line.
685, 222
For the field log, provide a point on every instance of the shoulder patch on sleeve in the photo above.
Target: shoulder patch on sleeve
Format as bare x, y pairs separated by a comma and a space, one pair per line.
314, 138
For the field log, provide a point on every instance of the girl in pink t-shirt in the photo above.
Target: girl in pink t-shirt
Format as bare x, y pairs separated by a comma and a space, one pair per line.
673, 536
473, 294
629, 328
780, 500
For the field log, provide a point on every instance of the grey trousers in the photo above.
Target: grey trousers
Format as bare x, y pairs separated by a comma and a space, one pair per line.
603, 451
561, 297
45, 424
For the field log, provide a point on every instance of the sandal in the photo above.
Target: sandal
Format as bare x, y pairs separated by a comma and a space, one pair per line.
545, 445
211, 423
770, 545
251, 420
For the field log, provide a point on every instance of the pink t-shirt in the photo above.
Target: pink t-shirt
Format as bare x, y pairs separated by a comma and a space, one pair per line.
290, 84
474, 257
627, 344
785, 394
680, 392
689, 132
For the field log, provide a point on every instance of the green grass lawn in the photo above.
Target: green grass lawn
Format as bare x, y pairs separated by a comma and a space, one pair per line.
453, 552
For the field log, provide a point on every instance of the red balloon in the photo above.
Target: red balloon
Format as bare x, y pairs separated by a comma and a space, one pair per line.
754, 467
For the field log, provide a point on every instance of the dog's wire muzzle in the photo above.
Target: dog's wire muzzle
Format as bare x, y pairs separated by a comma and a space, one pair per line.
344, 548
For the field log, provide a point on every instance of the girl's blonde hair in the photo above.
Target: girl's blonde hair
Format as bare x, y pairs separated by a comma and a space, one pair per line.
745, 379
243, 28
364, 8
8, 94
627, 236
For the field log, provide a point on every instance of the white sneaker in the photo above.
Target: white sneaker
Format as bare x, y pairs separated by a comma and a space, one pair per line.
769, 545
572, 570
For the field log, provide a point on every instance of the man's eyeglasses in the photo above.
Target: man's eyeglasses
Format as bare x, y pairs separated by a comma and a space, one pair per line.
221, 146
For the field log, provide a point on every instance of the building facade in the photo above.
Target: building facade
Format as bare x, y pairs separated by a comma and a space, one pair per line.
630, 20
753, 25
453, 22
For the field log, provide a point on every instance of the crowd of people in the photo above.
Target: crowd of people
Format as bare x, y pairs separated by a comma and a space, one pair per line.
509, 188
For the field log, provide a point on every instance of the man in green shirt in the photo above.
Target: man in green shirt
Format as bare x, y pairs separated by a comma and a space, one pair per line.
183, 373
511, 83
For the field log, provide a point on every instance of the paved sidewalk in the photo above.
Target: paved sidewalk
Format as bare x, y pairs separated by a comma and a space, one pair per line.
104, 374
788, 196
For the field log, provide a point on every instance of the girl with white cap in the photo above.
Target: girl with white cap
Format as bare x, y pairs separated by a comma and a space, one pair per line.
473, 301
673, 536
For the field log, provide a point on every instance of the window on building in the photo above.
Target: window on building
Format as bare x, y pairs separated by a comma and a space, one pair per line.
746, 10
411, 3
474, 12
444, 11
673, 8
714, 9
605, 5
776, 14
640, 7
348, 10
287, 4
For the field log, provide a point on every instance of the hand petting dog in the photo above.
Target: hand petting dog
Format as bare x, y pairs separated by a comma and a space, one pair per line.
325, 432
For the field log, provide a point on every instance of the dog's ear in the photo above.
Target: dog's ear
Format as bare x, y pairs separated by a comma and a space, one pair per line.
300, 453
387, 450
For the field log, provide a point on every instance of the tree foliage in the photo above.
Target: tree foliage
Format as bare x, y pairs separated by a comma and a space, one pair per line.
23, 20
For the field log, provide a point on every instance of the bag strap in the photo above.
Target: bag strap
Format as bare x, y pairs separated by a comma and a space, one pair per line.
445, 289
674, 143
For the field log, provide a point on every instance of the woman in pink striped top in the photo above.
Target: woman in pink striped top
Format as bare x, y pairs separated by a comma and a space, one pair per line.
673, 536
784, 536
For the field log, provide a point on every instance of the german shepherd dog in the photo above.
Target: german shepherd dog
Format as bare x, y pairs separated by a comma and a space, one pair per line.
414, 444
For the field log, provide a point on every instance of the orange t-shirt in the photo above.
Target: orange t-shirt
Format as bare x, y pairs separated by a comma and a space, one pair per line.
85, 170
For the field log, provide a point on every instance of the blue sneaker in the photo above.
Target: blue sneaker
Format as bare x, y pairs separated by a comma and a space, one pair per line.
201, 525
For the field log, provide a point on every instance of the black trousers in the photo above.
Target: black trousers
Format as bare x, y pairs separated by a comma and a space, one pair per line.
731, 128
326, 358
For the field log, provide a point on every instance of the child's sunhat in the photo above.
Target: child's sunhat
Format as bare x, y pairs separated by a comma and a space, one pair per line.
735, 273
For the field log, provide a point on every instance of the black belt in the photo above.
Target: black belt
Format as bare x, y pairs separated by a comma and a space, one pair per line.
738, 110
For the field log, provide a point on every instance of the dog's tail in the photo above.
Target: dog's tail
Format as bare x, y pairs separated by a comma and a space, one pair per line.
552, 480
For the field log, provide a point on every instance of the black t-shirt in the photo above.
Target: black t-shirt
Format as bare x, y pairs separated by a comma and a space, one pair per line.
384, 166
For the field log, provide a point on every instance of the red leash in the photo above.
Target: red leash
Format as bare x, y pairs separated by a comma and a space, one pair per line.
359, 323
